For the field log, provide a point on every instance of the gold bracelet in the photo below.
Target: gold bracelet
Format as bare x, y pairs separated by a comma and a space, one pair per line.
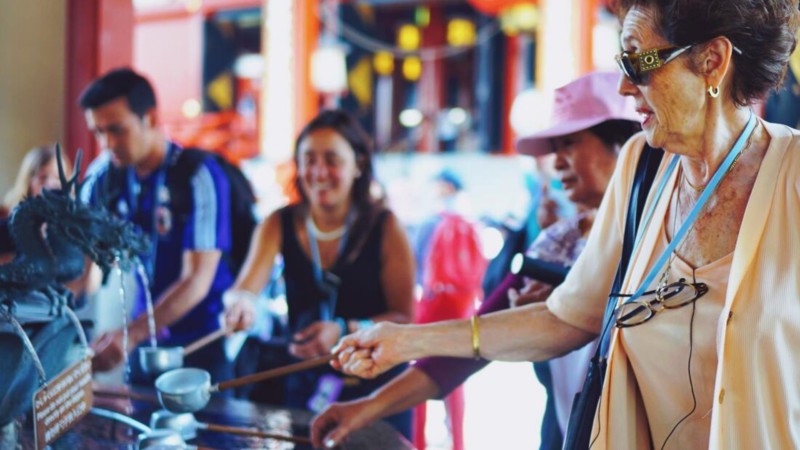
476, 341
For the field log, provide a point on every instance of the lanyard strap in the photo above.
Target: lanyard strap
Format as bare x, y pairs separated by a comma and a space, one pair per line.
733, 154
327, 309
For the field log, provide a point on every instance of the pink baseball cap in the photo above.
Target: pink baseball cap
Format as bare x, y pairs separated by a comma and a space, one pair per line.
579, 105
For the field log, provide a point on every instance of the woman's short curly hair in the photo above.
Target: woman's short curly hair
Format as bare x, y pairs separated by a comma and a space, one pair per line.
764, 30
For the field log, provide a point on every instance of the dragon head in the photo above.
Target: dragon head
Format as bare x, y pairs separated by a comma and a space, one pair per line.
100, 235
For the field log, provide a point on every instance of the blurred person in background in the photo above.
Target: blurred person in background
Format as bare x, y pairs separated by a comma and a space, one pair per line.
589, 125
347, 261
449, 272
39, 170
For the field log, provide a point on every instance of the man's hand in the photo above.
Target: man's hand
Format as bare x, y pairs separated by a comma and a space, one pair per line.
108, 351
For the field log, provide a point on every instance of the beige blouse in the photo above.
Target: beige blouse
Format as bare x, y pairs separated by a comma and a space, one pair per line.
660, 350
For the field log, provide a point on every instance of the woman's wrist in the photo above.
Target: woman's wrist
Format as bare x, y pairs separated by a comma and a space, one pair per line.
234, 296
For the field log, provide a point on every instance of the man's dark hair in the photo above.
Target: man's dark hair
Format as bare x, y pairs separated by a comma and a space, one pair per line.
118, 83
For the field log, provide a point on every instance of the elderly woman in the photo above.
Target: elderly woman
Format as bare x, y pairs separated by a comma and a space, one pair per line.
706, 360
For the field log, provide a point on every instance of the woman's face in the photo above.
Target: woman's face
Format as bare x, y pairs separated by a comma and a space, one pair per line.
45, 178
583, 164
672, 100
327, 168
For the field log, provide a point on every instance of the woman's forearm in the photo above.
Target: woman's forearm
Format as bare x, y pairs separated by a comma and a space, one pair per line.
528, 333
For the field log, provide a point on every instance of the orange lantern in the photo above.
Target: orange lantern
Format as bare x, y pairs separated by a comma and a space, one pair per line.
492, 7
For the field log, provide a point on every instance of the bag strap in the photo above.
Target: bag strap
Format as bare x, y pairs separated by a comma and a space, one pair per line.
646, 169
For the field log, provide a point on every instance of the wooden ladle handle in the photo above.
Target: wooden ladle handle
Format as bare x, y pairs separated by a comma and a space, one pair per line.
203, 341
242, 431
273, 373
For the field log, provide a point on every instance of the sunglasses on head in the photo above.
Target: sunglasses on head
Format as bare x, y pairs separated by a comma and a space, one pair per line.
636, 65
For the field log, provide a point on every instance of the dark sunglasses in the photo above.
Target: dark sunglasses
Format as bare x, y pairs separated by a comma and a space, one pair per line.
670, 296
636, 65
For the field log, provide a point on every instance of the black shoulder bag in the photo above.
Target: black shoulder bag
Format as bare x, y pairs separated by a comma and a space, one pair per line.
584, 407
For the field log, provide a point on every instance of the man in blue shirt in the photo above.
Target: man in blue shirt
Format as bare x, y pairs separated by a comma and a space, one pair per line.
137, 177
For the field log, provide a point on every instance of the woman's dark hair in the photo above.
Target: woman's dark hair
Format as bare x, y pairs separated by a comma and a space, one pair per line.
764, 31
615, 132
348, 127
124, 82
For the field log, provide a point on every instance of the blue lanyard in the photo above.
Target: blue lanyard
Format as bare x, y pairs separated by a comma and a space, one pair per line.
328, 309
733, 154
134, 189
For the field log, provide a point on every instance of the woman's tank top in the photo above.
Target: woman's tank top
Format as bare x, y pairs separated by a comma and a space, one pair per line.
360, 293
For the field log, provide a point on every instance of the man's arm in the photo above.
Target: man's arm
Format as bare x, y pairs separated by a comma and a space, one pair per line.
205, 237
181, 296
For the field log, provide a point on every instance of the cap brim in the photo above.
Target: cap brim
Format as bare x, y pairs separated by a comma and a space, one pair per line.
538, 144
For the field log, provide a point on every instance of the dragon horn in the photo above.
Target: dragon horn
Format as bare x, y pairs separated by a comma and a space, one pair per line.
76, 172
61, 175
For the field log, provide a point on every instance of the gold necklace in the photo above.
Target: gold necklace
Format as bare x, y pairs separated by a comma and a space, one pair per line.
733, 164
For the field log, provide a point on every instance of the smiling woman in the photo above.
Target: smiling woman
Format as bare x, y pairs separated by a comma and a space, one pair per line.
347, 262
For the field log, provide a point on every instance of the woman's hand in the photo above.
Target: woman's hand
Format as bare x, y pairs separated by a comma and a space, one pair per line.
534, 291
338, 420
372, 351
315, 340
240, 309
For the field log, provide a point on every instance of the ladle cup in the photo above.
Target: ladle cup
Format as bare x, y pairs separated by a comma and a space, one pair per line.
189, 389
163, 438
157, 360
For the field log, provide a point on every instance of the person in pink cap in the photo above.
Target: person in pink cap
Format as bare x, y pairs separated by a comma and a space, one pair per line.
588, 125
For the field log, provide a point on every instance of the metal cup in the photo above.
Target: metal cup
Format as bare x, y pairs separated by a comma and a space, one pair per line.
184, 390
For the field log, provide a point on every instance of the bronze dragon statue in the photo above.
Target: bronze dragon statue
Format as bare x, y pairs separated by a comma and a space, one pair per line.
53, 232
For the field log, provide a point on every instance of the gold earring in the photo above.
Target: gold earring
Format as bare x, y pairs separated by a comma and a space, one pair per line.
713, 92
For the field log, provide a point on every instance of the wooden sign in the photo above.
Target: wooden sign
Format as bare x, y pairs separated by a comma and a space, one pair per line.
62, 402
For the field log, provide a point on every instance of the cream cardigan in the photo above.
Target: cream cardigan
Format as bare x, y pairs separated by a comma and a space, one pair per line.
757, 388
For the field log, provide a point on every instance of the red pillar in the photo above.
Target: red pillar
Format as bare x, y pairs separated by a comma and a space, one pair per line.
431, 83
99, 38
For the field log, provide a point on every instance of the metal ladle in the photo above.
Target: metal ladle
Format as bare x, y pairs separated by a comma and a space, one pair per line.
187, 426
157, 360
189, 389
